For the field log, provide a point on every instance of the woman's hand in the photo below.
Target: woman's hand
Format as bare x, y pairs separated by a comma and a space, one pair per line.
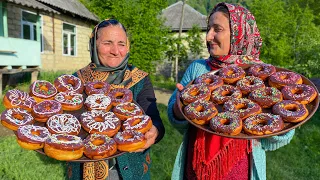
151, 136
179, 86
176, 111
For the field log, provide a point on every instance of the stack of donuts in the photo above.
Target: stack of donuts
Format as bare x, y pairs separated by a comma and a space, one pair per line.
255, 101
70, 120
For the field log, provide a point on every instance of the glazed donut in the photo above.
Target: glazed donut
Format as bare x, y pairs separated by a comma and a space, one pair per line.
68, 83
15, 117
266, 97
283, 78
200, 111
126, 110
45, 109
98, 87
64, 147
130, 140
227, 123
98, 146
290, 111
63, 124
195, 92
243, 107
231, 74
264, 123
142, 123
98, 102
42, 90
16, 98
301, 93
100, 122
249, 83
120, 95
69, 100
262, 71
225, 93
212, 81
32, 137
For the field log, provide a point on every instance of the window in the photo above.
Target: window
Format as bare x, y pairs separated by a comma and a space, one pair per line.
69, 39
29, 27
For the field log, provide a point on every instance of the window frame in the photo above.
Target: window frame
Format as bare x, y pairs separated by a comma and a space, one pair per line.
69, 40
22, 22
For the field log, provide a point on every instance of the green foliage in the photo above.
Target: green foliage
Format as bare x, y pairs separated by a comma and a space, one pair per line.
290, 37
205, 6
145, 29
195, 42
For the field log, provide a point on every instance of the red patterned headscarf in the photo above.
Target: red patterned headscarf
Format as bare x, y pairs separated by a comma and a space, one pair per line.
245, 38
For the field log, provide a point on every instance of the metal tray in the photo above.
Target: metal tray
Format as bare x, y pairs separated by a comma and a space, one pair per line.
312, 108
83, 134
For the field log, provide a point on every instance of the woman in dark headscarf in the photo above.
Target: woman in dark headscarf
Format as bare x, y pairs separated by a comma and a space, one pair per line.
232, 38
109, 50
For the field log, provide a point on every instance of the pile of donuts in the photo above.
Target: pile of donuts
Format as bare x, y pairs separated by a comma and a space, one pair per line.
45, 118
256, 102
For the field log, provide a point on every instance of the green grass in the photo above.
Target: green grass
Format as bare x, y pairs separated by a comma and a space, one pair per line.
301, 158
17, 163
163, 154
162, 82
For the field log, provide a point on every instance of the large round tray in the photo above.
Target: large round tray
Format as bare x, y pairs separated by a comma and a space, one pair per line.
83, 134
312, 107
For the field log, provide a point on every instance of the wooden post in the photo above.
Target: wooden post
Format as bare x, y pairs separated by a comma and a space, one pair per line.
180, 31
34, 76
0, 84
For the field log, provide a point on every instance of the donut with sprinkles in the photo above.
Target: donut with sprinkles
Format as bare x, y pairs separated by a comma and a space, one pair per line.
100, 122
16, 98
32, 137
264, 123
15, 117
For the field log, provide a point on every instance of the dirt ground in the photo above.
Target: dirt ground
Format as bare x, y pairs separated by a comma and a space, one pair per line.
161, 95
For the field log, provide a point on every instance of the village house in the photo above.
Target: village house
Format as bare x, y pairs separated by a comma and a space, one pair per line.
44, 34
192, 17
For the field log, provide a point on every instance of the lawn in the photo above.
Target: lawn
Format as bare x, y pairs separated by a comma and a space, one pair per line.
298, 160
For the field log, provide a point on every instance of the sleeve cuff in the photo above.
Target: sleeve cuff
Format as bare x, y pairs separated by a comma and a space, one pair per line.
276, 142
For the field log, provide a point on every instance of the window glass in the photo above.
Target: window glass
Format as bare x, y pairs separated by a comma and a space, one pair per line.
26, 16
69, 39
68, 28
26, 31
73, 42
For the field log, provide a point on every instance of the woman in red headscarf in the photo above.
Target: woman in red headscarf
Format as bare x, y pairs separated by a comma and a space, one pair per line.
232, 38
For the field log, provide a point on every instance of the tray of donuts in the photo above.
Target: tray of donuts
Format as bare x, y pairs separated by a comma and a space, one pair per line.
251, 101
71, 121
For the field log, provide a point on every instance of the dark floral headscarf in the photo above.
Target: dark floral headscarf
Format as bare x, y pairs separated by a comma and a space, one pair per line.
245, 39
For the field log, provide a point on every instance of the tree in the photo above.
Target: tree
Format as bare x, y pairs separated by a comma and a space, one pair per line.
290, 37
195, 42
145, 28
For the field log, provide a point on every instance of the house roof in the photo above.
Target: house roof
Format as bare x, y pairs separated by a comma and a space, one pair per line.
33, 4
72, 6
191, 17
